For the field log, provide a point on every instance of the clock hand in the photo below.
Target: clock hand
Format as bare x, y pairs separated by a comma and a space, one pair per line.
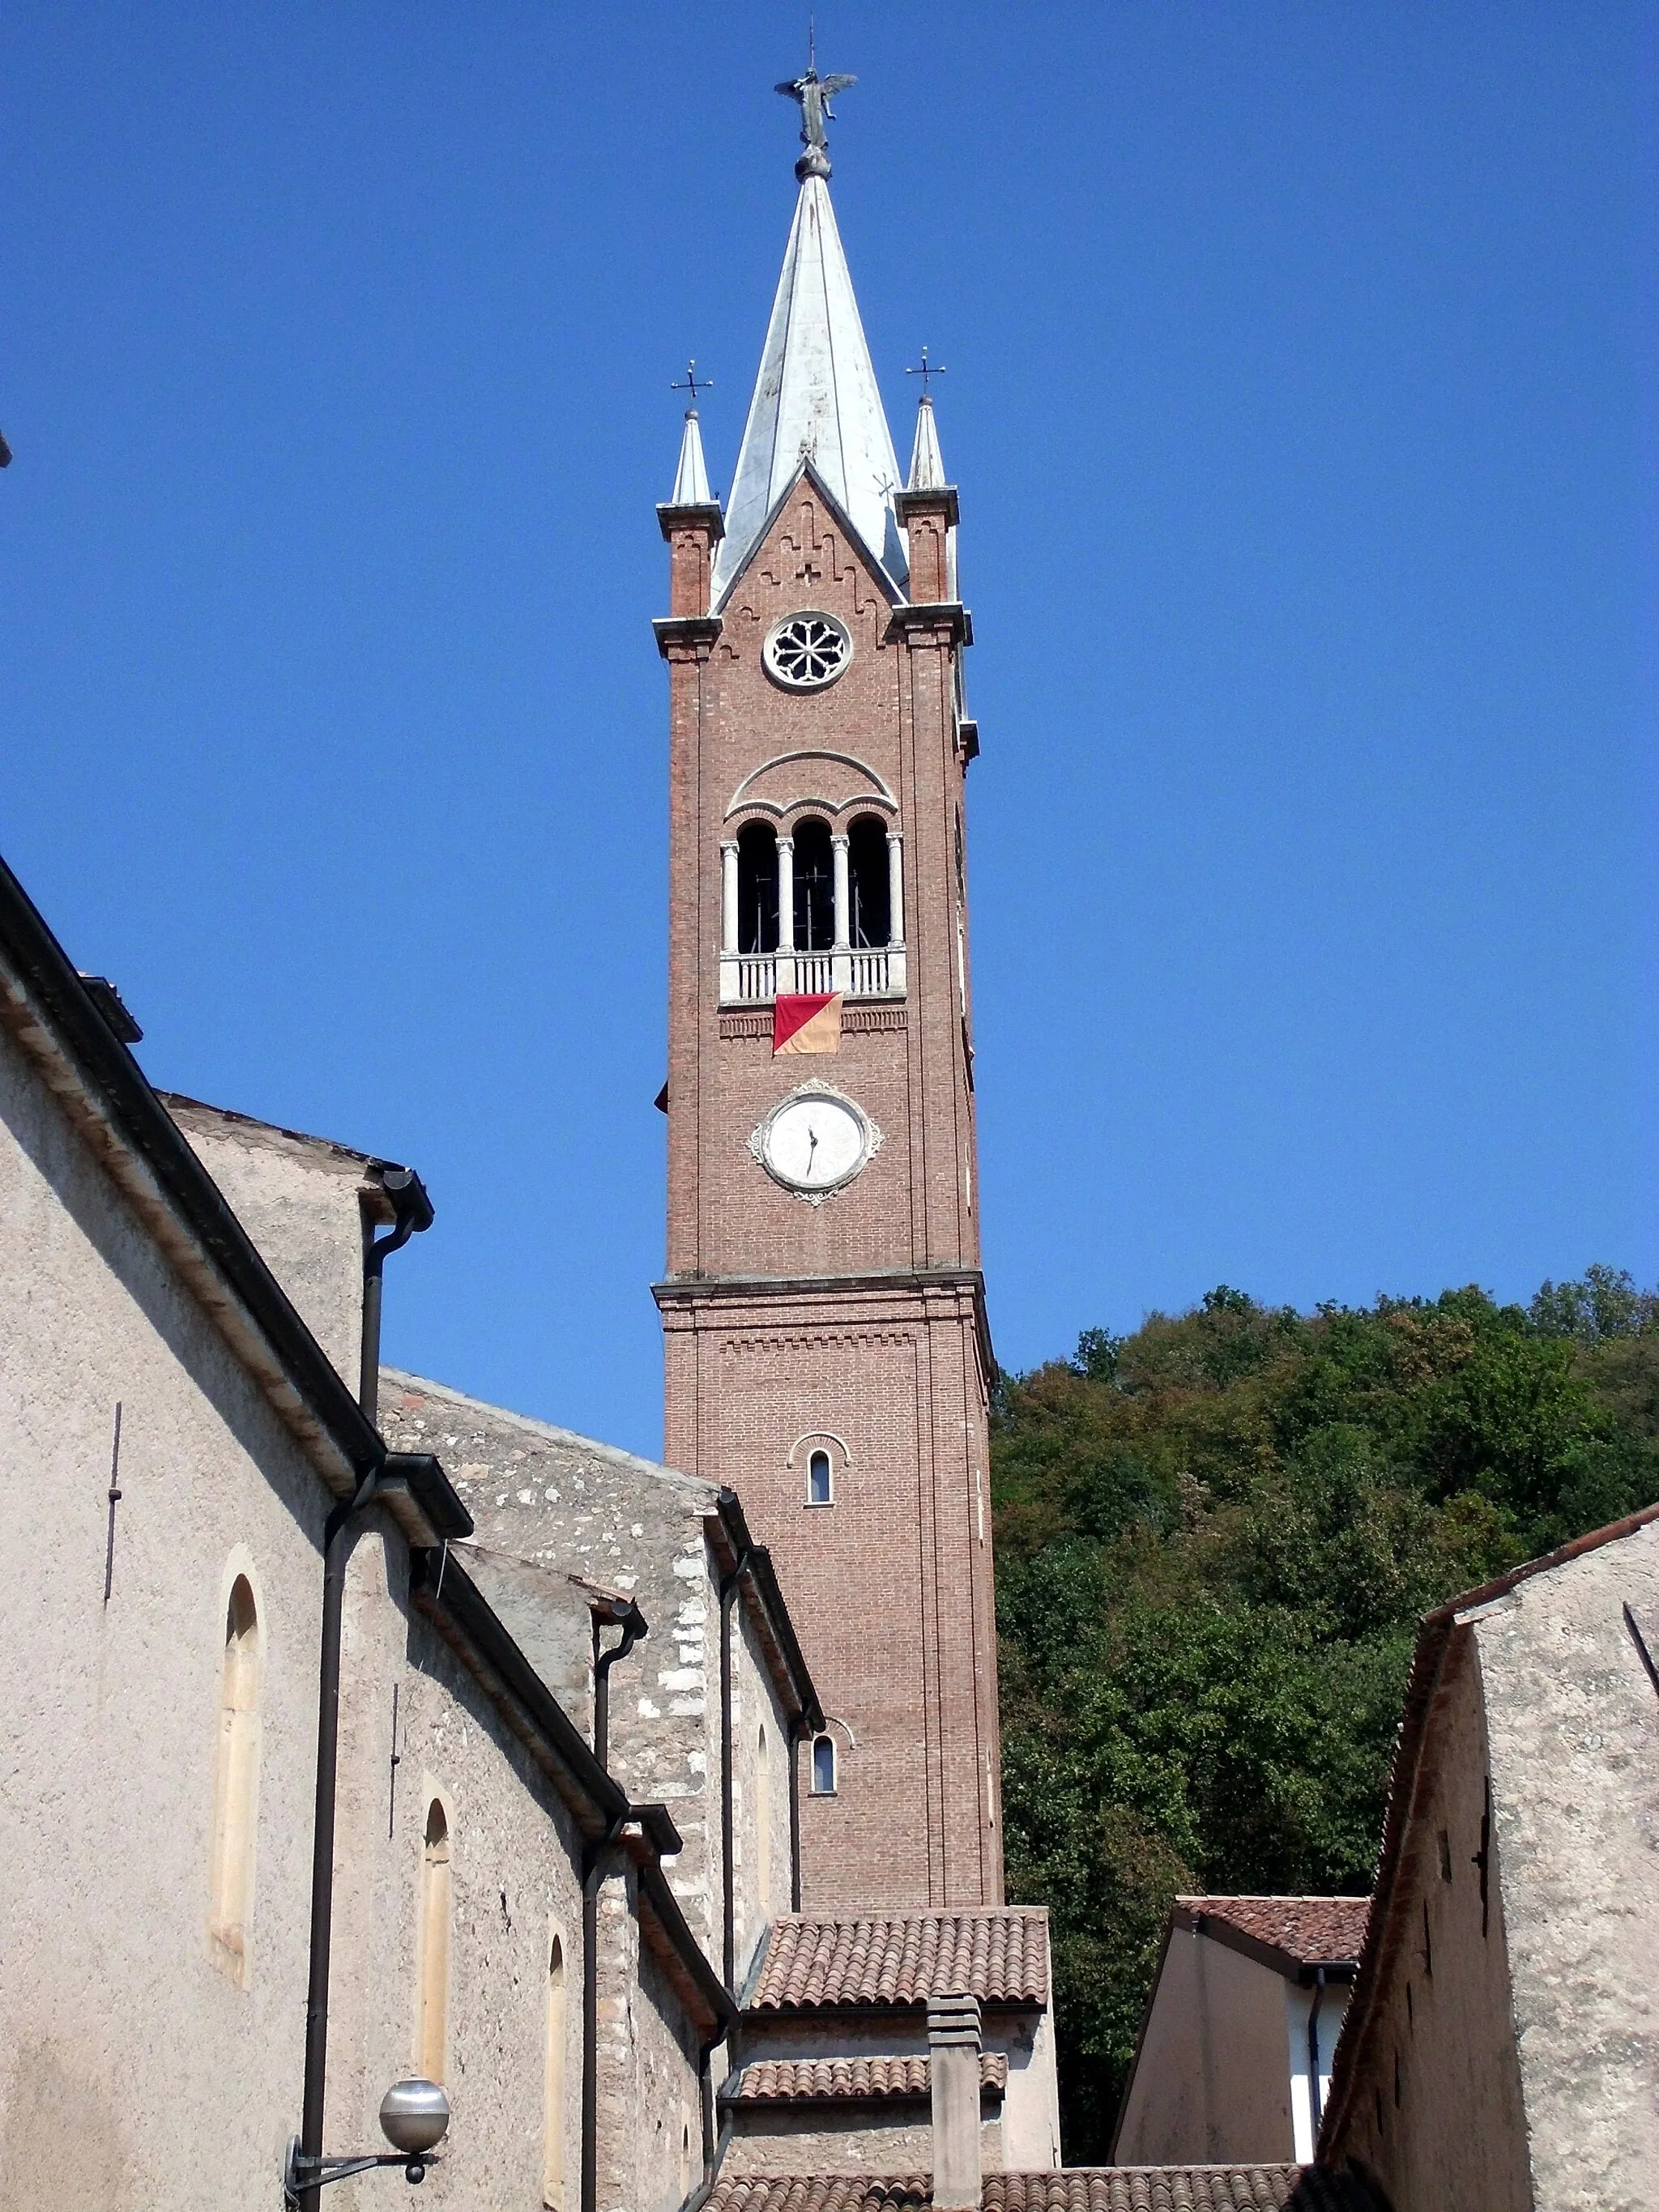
812, 1145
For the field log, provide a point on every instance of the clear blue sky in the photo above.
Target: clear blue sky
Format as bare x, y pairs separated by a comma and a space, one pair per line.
1299, 394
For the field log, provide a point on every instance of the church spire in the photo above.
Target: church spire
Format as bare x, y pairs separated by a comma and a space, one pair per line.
816, 398
926, 462
691, 477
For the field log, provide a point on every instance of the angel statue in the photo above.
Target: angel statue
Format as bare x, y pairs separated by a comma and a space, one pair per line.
814, 94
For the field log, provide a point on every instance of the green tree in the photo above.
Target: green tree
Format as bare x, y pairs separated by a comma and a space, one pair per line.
1215, 1537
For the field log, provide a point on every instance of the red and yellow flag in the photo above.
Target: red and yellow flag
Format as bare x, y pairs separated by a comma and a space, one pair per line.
808, 1021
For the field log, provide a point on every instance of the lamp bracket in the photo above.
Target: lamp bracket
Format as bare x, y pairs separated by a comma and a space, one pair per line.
300, 2173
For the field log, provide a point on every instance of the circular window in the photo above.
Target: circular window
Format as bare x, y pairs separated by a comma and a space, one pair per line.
805, 652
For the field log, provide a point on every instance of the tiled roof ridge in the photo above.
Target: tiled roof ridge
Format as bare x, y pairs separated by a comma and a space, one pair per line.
1238, 2188
766, 2080
999, 1953
1312, 1930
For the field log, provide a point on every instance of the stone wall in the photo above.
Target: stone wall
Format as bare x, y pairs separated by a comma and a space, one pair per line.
547, 1503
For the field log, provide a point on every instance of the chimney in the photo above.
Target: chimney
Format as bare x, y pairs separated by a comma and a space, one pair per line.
953, 2040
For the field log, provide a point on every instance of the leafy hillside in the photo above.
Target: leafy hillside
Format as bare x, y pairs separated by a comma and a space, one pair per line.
1214, 1539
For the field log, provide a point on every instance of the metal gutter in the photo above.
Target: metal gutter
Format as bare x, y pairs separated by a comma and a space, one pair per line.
441, 1588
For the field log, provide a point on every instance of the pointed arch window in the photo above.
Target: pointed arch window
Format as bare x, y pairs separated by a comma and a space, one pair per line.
431, 2054
236, 1786
553, 2196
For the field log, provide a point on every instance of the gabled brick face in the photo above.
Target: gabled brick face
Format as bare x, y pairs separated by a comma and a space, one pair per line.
859, 1319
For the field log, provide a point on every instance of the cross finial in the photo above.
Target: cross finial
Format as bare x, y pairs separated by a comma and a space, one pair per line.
694, 384
813, 93
928, 370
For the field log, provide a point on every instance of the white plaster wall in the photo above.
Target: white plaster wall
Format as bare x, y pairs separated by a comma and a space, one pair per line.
1030, 2111
1298, 2017
1212, 2082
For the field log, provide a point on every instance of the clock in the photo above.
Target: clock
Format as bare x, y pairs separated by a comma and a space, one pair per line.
815, 1141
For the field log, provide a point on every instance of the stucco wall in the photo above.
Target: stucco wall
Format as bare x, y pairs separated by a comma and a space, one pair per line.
513, 1858
649, 2088
134, 2068
1213, 2080
1436, 2114
1572, 1723
1022, 2136
894, 2136
297, 1198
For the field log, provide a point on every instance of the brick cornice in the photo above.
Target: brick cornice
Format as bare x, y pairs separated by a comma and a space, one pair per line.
701, 515
947, 615
687, 637
734, 1293
940, 500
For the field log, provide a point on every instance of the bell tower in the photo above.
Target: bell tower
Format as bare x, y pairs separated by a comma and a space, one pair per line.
824, 1313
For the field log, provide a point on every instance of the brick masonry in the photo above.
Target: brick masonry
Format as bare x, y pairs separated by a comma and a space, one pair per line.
859, 1321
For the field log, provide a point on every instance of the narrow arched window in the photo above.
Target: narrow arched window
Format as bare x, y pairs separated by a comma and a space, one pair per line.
819, 1479
235, 1785
758, 888
431, 2057
764, 1820
823, 1766
557, 2033
868, 883
685, 2152
815, 886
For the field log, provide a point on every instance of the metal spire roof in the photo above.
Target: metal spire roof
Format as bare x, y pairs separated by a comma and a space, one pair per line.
691, 477
926, 462
816, 400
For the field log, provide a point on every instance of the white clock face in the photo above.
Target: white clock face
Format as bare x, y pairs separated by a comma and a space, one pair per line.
815, 1142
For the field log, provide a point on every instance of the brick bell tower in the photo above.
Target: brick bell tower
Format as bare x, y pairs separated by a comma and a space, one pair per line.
824, 1312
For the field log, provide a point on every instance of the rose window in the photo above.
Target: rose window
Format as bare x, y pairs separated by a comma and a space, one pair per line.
805, 652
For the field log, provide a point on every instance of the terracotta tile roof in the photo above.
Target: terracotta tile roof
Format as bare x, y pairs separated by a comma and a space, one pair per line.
999, 1954
780, 2079
1076, 2189
1312, 1930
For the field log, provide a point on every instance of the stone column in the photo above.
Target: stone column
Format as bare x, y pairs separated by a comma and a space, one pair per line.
895, 887
786, 964
786, 894
843, 938
728, 894
953, 2046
